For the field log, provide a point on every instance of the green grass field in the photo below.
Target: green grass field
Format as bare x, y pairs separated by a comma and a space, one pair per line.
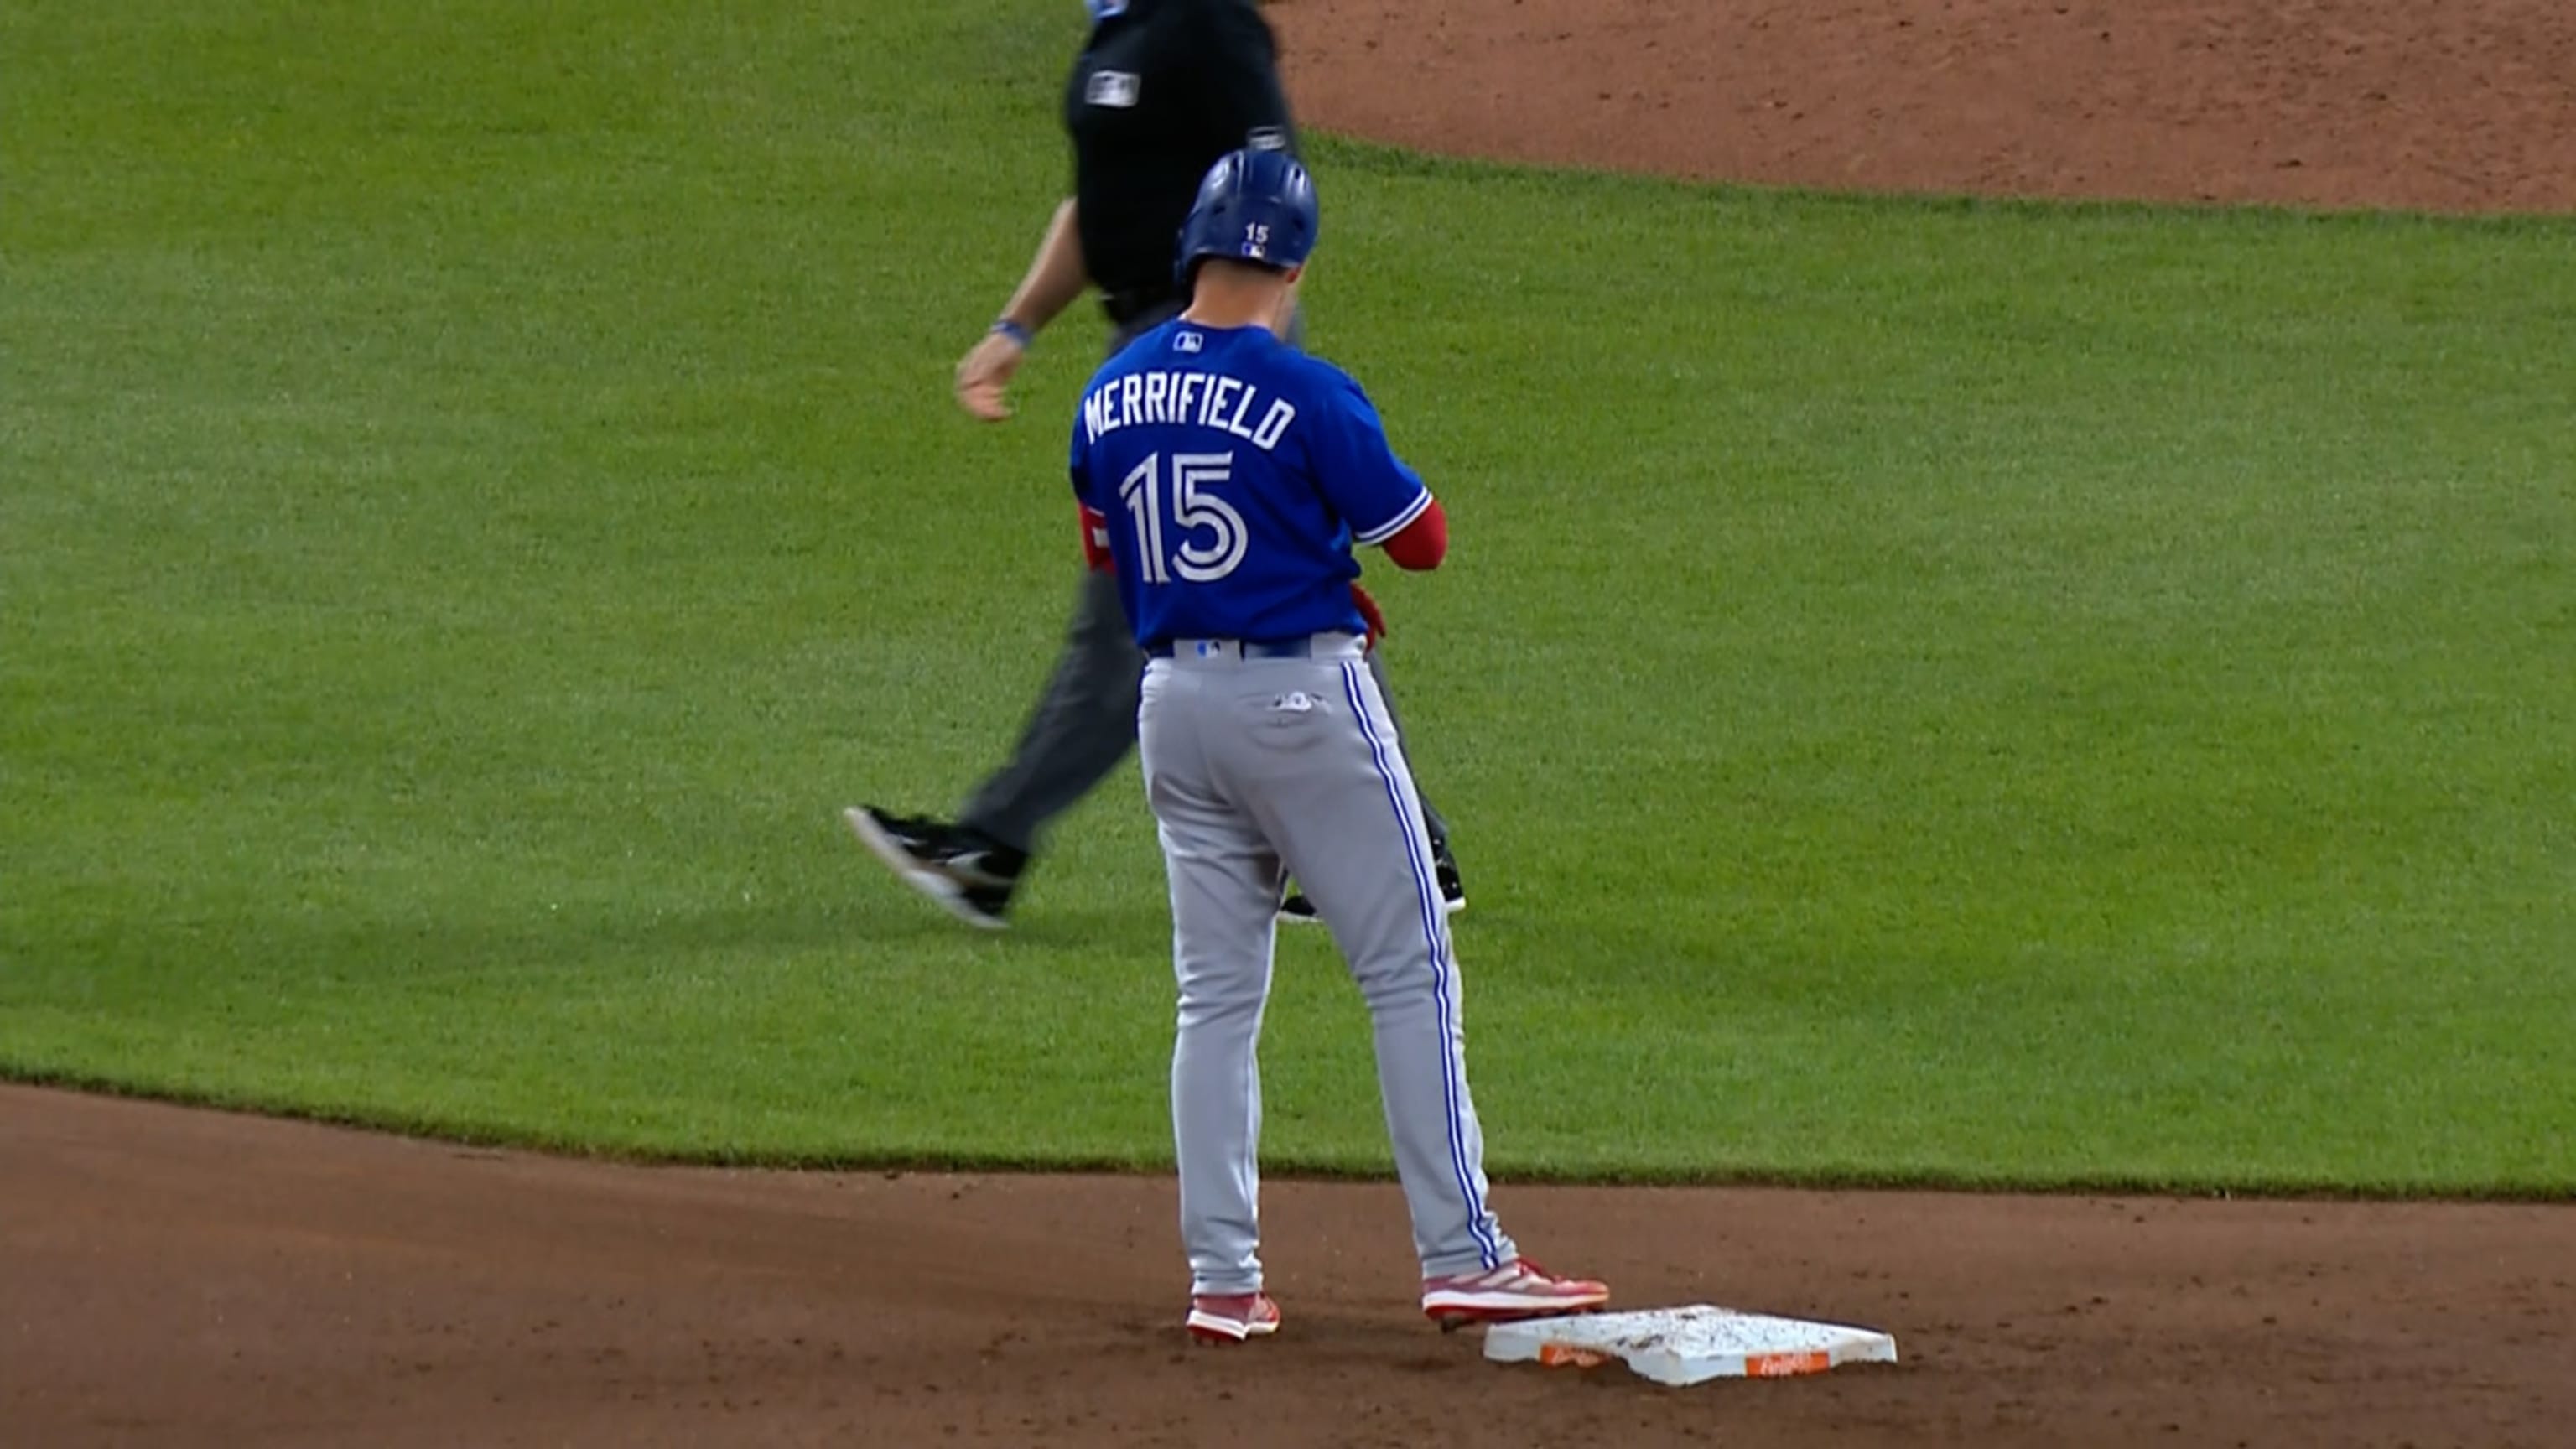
1930, 691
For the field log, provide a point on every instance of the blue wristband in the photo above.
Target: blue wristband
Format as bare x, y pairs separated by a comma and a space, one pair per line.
1015, 332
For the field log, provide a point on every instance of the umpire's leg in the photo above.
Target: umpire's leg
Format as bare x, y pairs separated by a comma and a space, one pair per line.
1081, 728
1084, 723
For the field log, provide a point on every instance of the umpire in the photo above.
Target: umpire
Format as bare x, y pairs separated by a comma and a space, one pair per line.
1161, 89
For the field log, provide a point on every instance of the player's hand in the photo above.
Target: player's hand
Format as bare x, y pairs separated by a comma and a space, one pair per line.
985, 372
1369, 611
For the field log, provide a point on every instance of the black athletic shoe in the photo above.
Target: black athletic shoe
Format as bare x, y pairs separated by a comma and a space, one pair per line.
914, 835
1296, 910
963, 872
1453, 891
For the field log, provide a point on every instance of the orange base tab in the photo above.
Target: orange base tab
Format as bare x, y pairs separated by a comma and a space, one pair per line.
1785, 1365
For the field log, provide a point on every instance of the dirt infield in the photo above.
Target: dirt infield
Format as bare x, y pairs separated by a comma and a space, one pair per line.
2460, 105
172, 1277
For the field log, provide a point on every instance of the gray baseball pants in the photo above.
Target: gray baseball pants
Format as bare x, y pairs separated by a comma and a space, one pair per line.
1085, 721
1263, 766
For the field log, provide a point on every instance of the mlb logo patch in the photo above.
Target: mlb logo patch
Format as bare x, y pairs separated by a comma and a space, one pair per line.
1115, 89
1188, 341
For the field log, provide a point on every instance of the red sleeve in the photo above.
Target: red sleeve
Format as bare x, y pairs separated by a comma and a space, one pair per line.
1095, 541
1424, 542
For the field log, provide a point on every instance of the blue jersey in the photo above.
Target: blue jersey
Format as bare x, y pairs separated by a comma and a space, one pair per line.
1236, 474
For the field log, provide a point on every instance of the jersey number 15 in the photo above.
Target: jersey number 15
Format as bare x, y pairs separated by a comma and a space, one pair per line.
1193, 510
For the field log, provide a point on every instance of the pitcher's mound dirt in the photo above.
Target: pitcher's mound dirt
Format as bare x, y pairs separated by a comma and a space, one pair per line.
2454, 105
170, 1277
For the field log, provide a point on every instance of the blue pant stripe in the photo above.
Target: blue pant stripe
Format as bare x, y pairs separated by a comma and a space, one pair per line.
1427, 893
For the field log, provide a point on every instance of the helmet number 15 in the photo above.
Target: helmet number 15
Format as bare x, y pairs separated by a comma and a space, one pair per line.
1193, 510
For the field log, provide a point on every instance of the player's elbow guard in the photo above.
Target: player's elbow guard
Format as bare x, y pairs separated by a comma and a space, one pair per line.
1423, 543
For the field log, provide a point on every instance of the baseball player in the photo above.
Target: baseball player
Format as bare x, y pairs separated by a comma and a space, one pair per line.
1229, 476
1161, 89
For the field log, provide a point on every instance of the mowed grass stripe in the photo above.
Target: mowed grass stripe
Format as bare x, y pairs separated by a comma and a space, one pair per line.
1930, 691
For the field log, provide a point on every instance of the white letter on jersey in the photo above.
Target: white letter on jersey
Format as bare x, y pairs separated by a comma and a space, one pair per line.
1273, 423
1095, 415
1158, 390
1212, 407
1234, 424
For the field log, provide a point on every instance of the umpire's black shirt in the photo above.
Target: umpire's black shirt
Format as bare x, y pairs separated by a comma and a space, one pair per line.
1163, 89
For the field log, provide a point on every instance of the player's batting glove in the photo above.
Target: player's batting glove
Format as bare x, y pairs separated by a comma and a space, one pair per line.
1369, 611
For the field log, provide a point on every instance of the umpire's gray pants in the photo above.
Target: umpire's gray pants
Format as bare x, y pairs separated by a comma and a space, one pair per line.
1086, 720
1252, 768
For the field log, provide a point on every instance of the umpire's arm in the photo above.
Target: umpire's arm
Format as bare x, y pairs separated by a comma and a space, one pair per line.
1056, 276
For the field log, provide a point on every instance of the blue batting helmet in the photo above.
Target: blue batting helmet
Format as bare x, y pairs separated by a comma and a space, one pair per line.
1253, 206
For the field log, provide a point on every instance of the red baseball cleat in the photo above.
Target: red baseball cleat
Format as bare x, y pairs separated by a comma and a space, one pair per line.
1232, 1317
1520, 1289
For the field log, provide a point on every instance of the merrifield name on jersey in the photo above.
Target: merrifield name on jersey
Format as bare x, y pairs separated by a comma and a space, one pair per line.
1203, 399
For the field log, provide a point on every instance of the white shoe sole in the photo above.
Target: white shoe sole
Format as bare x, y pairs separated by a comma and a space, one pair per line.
1230, 1330
942, 891
1477, 1307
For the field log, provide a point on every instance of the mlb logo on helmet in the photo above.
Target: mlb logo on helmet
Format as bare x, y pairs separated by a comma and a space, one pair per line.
1104, 9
